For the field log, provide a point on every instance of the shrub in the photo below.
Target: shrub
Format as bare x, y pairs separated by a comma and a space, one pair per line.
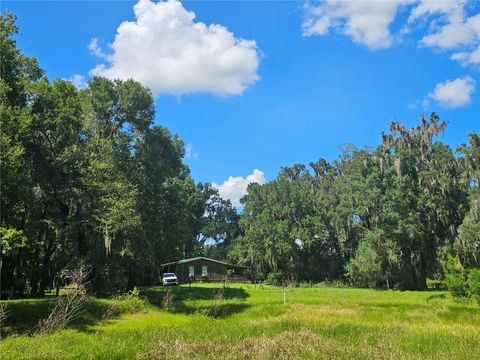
455, 280
434, 284
474, 284
334, 284
127, 303
306, 284
276, 278
375, 259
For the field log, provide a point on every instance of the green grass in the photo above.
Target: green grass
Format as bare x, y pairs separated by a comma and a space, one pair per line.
245, 322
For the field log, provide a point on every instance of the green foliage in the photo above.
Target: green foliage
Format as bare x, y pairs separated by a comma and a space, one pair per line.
434, 284
10, 240
276, 278
365, 268
87, 177
474, 284
468, 242
462, 283
126, 303
456, 280
386, 216
375, 260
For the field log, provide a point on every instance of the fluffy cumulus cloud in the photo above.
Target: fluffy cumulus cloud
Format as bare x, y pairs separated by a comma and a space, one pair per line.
366, 22
235, 187
452, 30
443, 25
453, 93
170, 52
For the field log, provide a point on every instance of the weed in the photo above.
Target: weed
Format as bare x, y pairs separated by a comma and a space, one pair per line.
167, 301
216, 308
68, 308
4, 312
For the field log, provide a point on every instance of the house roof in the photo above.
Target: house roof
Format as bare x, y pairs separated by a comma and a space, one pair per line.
184, 261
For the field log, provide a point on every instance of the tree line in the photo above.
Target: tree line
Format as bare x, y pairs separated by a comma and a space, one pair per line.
86, 177
386, 217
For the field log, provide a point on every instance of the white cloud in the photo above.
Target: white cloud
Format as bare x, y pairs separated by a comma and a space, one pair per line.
190, 153
79, 81
165, 49
430, 7
445, 24
458, 31
96, 50
453, 29
366, 22
235, 187
468, 58
453, 93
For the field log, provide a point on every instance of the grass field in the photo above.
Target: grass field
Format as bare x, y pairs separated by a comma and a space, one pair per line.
244, 322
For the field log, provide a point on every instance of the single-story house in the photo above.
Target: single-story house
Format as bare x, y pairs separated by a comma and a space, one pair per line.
203, 269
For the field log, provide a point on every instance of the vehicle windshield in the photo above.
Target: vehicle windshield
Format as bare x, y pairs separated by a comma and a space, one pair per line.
168, 274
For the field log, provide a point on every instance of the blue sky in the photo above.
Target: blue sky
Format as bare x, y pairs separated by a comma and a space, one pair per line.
307, 77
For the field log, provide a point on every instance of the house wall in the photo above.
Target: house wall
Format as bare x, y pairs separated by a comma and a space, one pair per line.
215, 272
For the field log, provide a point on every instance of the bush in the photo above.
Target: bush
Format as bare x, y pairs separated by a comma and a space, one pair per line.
455, 280
276, 278
333, 284
128, 303
306, 284
462, 283
433, 284
474, 284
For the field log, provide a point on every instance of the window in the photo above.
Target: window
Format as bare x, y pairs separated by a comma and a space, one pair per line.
204, 270
191, 271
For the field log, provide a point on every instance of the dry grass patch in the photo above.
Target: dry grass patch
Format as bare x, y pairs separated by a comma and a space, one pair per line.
292, 345
285, 345
305, 313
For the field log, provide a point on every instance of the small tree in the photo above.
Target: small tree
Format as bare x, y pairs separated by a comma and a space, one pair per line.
455, 279
474, 284
275, 278
374, 260
10, 240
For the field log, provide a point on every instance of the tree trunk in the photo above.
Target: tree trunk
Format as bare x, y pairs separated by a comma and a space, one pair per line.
46, 278
413, 274
422, 277
1, 265
130, 282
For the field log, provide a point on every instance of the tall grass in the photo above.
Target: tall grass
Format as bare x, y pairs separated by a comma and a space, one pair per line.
244, 322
